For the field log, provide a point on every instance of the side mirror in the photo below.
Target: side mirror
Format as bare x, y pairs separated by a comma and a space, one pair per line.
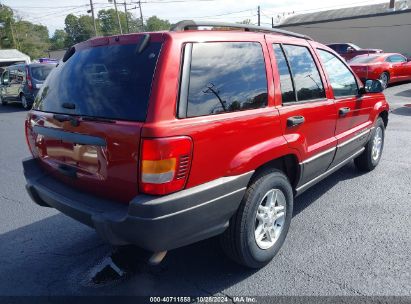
372, 86
408, 59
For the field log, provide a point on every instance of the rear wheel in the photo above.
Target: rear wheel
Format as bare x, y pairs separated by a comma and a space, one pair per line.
371, 156
2, 101
24, 102
258, 229
385, 78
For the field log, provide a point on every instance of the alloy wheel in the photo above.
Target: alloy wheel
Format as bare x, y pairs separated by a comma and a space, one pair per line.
270, 218
377, 144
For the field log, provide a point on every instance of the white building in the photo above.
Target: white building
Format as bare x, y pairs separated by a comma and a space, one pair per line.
371, 26
8, 57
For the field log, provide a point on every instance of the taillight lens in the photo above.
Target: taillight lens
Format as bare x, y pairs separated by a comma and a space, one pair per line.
165, 164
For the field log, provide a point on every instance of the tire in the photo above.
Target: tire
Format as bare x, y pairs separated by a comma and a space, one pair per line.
385, 79
369, 159
239, 241
3, 102
24, 102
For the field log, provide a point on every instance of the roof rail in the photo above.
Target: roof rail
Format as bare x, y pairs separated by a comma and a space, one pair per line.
190, 24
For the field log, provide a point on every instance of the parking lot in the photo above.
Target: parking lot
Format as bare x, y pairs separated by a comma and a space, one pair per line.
350, 235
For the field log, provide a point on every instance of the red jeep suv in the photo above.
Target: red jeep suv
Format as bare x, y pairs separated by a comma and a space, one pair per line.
168, 138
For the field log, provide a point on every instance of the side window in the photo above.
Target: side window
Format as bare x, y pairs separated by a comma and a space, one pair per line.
13, 75
20, 74
307, 80
396, 58
287, 87
343, 48
5, 77
342, 80
226, 77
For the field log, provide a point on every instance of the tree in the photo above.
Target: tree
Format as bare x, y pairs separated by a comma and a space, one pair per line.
6, 25
72, 29
58, 41
32, 39
109, 24
78, 29
154, 24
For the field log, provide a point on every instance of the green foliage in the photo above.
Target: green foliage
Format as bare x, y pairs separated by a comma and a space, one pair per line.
58, 41
31, 39
154, 24
78, 29
109, 24
6, 23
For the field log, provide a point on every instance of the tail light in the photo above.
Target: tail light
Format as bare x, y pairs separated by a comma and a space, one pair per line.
165, 164
28, 77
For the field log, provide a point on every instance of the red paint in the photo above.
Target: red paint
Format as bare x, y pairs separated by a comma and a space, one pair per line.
400, 71
222, 145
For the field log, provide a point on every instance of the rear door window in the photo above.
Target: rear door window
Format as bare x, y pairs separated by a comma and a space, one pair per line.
226, 77
307, 80
287, 86
107, 81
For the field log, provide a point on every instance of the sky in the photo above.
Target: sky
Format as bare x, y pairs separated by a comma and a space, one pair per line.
52, 12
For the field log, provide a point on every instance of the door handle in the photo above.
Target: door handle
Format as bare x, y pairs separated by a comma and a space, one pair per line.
343, 111
295, 121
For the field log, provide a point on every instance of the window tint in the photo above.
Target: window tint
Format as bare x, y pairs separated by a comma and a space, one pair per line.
364, 59
307, 80
396, 58
342, 80
107, 81
41, 72
226, 77
287, 88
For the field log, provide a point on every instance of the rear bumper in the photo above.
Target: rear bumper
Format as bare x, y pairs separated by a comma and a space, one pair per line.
150, 222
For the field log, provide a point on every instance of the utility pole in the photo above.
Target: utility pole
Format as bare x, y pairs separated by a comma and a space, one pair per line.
272, 22
94, 19
141, 15
118, 17
125, 11
259, 15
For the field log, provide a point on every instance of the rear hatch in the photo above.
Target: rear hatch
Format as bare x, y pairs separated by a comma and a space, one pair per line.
86, 120
37, 74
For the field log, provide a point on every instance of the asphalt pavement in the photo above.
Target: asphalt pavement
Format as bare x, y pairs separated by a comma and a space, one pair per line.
350, 235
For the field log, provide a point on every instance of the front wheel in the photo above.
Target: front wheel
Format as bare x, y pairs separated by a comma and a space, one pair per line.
2, 101
258, 229
24, 102
371, 156
385, 78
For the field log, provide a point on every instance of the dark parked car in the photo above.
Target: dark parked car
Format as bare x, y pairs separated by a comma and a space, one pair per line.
168, 138
350, 50
21, 82
387, 67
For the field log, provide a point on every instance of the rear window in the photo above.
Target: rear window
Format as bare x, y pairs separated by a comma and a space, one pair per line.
363, 59
41, 72
108, 81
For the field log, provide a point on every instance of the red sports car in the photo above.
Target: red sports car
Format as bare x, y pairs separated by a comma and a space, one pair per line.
388, 67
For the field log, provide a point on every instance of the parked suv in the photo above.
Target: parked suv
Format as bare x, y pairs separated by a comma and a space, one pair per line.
350, 50
168, 138
21, 82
